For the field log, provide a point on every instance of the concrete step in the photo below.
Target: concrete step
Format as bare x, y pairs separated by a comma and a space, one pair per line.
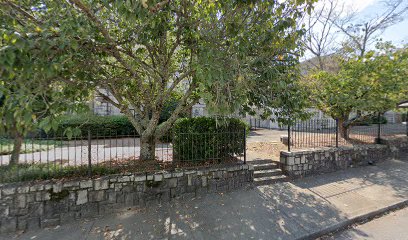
261, 161
267, 173
270, 180
266, 166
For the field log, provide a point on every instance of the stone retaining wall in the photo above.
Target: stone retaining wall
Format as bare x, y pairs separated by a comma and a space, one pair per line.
308, 162
27, 205
398, 146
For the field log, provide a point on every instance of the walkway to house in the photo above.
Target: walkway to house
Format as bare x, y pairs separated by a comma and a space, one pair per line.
287, 210
264, 144
266, 135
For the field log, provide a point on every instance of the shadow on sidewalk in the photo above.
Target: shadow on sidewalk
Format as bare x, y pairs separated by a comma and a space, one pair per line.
280, 211
289, 210
391, 174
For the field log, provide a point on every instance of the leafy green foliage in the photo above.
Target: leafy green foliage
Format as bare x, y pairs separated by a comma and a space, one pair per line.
31, 60
99, 126
375, 83
368, 120
236, 55
170, 106
202, 139
29, 65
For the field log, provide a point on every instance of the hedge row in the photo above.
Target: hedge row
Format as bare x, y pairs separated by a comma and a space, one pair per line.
368, 120
99, 126
110, 125
203, 139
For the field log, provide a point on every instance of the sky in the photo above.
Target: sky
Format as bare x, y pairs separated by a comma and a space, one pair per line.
398, 33
368, 9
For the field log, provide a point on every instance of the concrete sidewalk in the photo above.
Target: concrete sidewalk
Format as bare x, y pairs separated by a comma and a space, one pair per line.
392, 226
304, 208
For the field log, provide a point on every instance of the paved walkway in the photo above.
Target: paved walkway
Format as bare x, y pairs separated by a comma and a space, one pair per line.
290, 210
75, 153
266, 135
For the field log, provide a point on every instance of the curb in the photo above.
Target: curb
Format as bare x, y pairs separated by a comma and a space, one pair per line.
358, 219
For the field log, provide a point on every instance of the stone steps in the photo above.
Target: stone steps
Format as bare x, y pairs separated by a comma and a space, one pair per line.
266, 166
270, 180
267, 172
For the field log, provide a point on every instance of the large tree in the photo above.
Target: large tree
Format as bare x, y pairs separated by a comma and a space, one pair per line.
230, 53
30, 63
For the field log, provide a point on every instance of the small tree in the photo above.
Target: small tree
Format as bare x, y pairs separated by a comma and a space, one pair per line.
30, 98
374, 83
143, 51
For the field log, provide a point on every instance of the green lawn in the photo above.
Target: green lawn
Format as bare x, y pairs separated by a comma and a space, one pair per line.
29, 146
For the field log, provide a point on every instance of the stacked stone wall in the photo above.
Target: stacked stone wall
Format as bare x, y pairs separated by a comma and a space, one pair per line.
27, 205
302, 163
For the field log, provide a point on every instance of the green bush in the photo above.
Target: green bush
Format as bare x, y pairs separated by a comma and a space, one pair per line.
98, 125
368, 120
202, 139
170, 105
108, 125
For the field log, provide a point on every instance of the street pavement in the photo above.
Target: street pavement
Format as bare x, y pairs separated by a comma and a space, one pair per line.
305, 208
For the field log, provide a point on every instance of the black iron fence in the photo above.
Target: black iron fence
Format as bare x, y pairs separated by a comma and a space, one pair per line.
93, 154
316, 133
254, 123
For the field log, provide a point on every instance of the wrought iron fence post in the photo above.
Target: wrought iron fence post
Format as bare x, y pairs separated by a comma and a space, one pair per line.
89, 154
337, 132
379, 129
406, 122
174, 152
244, 145
288, 137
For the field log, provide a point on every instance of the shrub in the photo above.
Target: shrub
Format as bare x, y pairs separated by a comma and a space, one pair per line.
377, 120
98, 125
368, 120
202, 139
108, 125
170, 105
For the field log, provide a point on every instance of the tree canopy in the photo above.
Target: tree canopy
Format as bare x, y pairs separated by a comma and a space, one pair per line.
234, 54
374, 83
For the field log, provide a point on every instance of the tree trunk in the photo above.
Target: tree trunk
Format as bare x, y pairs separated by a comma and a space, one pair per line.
15, 154
147, 148
344, 129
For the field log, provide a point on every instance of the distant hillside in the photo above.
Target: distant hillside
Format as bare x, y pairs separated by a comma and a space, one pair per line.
329, 63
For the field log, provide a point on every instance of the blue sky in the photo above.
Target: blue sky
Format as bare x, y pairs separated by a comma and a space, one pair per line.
398, 33
368, 9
